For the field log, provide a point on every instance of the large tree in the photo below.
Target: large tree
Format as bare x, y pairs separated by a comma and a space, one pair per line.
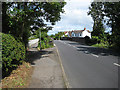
110, 13
21, 17
96, 12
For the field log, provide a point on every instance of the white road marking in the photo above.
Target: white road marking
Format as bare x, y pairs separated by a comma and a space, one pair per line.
116, 64
94, 55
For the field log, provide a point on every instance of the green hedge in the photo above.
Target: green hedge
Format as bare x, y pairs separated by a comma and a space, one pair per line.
13, 53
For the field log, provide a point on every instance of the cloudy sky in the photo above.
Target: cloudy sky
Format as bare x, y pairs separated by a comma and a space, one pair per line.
75, 17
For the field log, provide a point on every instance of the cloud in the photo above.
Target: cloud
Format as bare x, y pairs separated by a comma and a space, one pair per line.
75, 17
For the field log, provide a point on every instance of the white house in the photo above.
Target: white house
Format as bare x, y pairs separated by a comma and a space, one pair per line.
79, 33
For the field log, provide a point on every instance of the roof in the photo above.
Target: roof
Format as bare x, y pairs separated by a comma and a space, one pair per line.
80, 31
66, 32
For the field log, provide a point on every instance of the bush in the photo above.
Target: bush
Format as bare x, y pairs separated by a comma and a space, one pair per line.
46, 43
13, 53
87, 40
93, 41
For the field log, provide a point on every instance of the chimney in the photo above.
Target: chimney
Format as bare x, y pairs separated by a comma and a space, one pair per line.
84, 28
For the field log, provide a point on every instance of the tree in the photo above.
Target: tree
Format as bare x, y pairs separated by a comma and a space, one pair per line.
112, 11
109, 12
60, 34
96, 12
20, 16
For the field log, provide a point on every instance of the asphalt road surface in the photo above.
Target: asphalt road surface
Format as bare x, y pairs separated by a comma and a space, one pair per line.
89, 67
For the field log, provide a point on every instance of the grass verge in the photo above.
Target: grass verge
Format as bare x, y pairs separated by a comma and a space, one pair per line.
101, 45
19, 78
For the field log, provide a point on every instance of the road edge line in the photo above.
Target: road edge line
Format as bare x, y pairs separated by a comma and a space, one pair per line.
63, 72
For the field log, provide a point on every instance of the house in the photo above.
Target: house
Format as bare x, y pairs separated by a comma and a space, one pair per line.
78, 33
67, 33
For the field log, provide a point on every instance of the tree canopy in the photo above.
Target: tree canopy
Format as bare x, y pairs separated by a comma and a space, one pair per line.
20, 18
109, 13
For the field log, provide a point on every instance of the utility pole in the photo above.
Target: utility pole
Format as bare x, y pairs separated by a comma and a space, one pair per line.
40, 38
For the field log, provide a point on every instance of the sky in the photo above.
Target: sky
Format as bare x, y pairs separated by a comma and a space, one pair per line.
74, 18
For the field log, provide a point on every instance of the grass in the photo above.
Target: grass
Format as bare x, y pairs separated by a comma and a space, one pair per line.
100, 45
19, 78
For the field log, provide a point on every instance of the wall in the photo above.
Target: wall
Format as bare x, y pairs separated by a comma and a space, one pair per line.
76, 39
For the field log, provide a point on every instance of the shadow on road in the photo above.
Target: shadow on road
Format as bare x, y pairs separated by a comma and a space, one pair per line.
98, 51
102, 52
78, 43
74, 43
94, 50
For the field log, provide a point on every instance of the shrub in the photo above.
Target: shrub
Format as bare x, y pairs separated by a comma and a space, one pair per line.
87, 39
13, 53
46, 42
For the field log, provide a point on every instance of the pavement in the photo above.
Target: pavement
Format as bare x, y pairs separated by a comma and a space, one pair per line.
89, 67
47, 71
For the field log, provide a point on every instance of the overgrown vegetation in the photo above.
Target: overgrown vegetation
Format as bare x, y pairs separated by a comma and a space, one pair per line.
106, 13
13, 53
22, 18
45, 40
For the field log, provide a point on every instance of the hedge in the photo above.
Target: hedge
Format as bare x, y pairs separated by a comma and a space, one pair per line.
13, 53
46, 42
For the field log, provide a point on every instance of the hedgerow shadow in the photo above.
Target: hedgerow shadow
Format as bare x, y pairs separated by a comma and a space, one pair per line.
34, 54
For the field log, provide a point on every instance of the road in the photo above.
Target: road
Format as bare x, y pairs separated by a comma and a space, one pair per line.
88, 67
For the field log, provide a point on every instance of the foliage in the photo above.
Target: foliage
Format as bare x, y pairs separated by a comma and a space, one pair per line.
13, 53
100, 45
87, 39
96, 38
18, 17
95, 10
109, 13
58, 35
112, 11
46, 41
52, 36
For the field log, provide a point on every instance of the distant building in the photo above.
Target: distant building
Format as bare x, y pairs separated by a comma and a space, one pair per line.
78, 33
